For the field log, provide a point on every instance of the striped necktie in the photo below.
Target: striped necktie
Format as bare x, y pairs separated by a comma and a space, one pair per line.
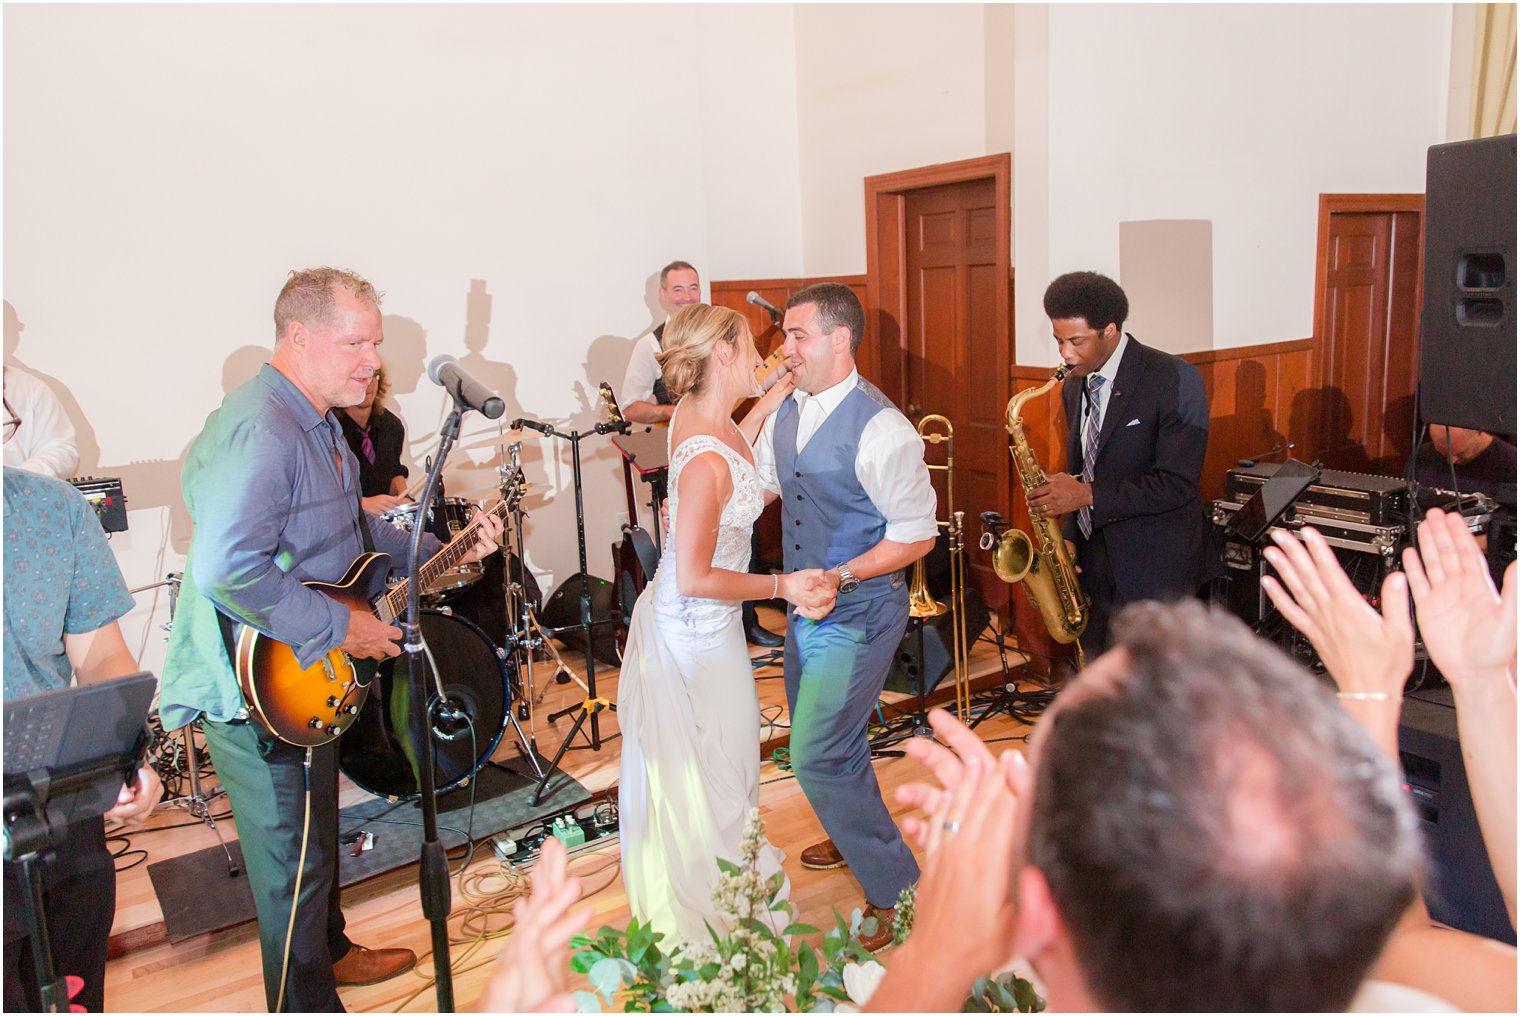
1089, 448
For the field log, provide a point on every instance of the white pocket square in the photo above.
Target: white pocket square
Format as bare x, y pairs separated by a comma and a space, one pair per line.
1133, 423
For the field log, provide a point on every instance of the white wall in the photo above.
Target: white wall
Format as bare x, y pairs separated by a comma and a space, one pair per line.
166, 166
1240, 115
880, 88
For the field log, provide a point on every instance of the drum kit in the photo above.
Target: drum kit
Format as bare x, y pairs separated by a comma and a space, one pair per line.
489, 679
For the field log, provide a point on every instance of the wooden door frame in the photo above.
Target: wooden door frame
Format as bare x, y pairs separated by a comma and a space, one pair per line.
1332, 204
887, 256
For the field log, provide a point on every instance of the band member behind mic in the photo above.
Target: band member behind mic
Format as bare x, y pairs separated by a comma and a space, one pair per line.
377, 436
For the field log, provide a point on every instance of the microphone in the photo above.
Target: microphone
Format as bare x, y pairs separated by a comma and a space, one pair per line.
467, 392
760, 301
542, 428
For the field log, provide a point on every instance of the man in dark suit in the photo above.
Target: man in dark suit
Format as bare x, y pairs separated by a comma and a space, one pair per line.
1138, 425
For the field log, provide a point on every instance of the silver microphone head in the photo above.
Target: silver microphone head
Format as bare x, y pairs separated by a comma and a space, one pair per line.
437, 364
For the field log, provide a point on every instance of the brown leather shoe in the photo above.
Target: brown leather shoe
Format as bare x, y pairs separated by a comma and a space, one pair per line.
371, 966
823, 856
885, 920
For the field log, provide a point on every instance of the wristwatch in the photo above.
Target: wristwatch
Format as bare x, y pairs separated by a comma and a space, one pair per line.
847, 580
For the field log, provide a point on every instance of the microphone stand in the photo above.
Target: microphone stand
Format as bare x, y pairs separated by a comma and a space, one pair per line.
592, 704
433, 863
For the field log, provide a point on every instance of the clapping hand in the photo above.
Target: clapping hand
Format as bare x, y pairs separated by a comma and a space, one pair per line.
1467, 626
811, 591
1369, 654
964, 918
533, 968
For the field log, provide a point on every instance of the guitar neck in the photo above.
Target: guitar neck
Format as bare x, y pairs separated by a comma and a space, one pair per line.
393, 604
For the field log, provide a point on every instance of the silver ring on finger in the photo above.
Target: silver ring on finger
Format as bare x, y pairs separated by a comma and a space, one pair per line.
952, 827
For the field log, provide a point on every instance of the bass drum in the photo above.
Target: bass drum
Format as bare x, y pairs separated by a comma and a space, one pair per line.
375, 752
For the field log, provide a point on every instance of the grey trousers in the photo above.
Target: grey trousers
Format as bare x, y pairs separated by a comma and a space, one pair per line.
267, 789
835, 670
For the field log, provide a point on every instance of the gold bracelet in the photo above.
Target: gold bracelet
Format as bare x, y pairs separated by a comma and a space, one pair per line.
1365, 696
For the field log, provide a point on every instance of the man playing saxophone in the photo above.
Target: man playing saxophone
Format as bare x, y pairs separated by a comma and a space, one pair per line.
1137, 426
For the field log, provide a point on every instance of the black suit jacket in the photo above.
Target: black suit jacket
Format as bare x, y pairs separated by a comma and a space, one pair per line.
1150, 454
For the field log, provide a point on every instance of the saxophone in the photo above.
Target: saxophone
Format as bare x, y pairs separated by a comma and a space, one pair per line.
1048, 574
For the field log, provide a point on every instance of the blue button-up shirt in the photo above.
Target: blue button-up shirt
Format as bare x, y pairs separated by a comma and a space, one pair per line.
272, 490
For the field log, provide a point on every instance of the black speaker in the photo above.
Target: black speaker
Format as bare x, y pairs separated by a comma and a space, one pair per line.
563, 610
1467, 326
1460, 890
938, 647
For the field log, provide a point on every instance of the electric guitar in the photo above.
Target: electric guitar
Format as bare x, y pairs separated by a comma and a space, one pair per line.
635, 556
311, 706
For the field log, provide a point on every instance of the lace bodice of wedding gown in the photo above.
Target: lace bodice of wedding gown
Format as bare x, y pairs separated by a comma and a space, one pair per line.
696, 615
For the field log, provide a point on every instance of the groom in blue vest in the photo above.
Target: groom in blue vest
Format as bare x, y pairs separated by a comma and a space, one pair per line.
855, 500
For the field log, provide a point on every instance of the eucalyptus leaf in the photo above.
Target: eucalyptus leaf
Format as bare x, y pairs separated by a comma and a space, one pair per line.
586, 1001
606, 976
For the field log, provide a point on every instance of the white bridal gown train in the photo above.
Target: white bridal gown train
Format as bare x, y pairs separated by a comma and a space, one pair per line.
691, 723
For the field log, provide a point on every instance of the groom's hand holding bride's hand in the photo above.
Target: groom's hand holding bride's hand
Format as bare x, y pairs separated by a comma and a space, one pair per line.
810, 591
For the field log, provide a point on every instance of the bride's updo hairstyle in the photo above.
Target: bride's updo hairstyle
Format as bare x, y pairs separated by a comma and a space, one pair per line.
693, 333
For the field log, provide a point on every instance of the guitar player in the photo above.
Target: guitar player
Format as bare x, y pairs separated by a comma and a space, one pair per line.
644, 401
273, 490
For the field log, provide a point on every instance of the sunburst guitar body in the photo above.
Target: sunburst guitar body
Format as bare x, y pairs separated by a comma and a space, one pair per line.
310, 706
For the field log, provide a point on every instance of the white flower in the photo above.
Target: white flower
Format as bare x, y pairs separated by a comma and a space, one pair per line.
860, 982
739, 961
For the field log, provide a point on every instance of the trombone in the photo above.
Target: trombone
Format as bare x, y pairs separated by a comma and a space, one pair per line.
921, 603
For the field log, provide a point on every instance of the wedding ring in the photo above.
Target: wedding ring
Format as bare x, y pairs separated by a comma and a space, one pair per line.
952, 827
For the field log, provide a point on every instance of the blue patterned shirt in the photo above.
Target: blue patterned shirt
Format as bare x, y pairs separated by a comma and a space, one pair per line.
60, 579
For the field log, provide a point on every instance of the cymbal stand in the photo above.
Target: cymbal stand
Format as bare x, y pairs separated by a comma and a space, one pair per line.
592, 705
197, 803
509, 473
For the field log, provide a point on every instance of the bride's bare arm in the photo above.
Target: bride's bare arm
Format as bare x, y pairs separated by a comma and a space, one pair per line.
703, 489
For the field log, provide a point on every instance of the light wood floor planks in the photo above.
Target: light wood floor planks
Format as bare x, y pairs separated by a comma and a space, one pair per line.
220, 972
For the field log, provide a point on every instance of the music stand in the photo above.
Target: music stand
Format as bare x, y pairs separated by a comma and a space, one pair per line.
67, 754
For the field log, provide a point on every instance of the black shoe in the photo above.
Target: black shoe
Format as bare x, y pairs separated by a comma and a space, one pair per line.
764, 638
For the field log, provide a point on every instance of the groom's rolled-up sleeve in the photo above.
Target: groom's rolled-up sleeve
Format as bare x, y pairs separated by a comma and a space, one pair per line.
891, 470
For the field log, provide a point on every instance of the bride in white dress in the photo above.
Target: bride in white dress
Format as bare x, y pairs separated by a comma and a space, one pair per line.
686, 695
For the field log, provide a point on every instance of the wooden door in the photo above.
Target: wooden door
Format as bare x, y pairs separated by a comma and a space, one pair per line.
954, 363
1367, 301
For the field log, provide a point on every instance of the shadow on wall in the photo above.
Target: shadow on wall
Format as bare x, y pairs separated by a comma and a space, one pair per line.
1319, 425
84, 434
155, 483
1250, 429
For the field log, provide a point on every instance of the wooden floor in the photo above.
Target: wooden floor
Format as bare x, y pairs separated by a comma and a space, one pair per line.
221, 971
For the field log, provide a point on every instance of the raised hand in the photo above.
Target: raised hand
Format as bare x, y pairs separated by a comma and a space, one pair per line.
1367, 653
948, 764
1467, 626
776, 394
533, 968
964, 918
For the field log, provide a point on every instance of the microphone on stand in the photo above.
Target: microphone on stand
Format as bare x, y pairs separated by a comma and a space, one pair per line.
760, 301
467, 392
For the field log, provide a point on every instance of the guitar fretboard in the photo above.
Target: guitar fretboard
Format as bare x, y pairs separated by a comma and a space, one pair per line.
393, 604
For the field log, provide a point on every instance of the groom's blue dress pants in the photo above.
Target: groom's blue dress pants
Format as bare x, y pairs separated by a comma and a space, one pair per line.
835, 670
